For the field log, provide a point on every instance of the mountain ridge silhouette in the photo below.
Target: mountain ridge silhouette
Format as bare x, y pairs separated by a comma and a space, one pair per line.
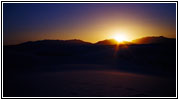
153, 40
143, 40
56, 42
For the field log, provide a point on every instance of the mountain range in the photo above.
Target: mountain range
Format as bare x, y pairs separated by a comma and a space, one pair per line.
144, 40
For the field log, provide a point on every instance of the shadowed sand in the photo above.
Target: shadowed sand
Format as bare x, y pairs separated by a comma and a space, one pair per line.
87, 83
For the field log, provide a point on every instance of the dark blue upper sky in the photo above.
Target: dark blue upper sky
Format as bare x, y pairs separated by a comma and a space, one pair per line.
87, 21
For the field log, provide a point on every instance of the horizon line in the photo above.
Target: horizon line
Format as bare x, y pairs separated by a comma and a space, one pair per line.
84, 40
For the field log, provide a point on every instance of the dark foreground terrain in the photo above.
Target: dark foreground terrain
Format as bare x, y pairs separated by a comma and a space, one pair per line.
73, 69
87, 83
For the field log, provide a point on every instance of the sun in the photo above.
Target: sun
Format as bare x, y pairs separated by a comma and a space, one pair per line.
119, 37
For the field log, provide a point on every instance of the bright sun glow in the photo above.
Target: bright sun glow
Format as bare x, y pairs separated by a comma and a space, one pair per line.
119, 37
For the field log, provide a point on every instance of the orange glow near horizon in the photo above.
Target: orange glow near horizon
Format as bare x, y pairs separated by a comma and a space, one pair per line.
87, 21
126, 29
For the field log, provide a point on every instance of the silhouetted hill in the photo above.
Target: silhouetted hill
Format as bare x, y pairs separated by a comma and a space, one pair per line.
154, 40
107, 42
55, 42
112, 42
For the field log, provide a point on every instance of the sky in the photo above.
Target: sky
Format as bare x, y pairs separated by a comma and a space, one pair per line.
89, 22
